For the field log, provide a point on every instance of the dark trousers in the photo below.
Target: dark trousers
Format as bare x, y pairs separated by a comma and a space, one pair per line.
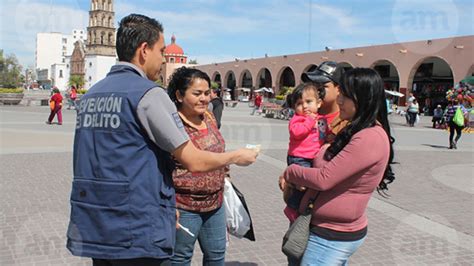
453, 127
412, 117
57, 110
132, 262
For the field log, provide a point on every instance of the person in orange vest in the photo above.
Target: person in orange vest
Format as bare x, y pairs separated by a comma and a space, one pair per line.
56, 104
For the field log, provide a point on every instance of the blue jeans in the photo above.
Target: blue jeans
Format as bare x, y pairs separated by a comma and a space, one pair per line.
209, 229
295, 198
329, 252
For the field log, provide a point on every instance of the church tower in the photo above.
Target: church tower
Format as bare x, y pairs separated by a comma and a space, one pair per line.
101, 30
100, 46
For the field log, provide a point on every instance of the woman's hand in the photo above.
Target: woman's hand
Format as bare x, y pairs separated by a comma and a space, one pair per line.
282, 182
244, 157
177, 219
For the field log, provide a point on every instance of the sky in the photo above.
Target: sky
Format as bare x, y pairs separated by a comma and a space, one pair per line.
212, 31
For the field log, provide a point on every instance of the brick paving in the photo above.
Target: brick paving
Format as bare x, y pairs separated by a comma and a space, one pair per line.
428, 219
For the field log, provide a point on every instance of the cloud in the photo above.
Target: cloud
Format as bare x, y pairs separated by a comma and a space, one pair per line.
192, 24
22, 20
204, 59
342, 17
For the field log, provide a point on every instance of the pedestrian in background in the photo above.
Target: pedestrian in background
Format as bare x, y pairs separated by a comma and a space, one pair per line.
453, 127
56, 105
72, 95
412, 111
257, 103
437, 116
216, 105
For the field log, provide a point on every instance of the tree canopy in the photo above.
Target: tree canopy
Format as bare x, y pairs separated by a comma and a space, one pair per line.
10, 69
76, 81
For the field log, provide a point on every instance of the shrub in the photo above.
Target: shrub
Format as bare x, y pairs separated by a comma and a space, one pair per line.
280, 97
5, 90
81, 91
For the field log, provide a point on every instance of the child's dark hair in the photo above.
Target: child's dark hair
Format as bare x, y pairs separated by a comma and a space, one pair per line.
297, 93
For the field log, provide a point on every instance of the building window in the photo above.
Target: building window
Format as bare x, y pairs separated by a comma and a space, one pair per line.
90, 64
172, 60
90, 78
67, 66
60, 73
182, 60
64, 40
64, 60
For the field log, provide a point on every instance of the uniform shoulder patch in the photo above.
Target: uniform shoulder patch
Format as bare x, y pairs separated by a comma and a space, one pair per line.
177, 120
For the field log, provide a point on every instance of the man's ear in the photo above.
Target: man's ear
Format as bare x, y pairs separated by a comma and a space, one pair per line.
142, 50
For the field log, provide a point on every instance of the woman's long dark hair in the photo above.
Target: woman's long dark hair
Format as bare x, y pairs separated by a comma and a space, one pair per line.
364, 86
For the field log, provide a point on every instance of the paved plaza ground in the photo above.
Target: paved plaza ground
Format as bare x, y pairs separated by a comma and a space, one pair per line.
428, 219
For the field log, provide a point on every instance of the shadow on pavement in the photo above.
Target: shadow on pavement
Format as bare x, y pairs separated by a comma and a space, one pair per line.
236, 263
435, 146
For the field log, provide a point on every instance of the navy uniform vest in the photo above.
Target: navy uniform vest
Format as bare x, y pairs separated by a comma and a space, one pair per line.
122, 199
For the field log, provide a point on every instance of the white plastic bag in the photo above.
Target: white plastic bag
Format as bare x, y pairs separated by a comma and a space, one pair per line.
417, 120
237, 218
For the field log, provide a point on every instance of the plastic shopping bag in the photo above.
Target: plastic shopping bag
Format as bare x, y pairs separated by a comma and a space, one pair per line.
458, 118
238, 218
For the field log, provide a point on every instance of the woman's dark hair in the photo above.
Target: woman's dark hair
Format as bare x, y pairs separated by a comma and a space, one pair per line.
182, 79
134, 30
297, 93
55, 90
364, 86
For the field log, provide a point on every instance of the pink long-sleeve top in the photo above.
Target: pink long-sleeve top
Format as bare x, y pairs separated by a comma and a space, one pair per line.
305, 141
346, 182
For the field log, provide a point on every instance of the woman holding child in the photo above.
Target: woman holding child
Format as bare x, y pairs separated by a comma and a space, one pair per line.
347, 171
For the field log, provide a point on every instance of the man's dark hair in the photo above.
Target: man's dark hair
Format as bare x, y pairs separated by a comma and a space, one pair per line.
134, 30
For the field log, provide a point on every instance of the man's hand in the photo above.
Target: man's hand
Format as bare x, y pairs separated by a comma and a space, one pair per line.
244, 157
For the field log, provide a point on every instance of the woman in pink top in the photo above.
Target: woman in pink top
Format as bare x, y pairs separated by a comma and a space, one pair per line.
305, 140
347, 172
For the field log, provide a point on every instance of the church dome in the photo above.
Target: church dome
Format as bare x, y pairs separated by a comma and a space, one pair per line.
173, 48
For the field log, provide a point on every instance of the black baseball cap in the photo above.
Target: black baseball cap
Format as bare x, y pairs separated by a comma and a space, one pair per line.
327, 71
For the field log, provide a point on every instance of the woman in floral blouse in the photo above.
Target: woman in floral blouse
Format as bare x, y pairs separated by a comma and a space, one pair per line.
199, 196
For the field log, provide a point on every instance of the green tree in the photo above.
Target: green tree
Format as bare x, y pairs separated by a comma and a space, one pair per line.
76, 81
10, 70
214, 85
193, 62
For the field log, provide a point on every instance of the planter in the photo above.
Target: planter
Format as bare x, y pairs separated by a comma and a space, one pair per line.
11, 98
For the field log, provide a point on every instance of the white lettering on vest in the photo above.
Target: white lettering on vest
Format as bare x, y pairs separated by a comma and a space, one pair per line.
100, 112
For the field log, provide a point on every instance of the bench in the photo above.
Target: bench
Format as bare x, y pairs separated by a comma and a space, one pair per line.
272, 112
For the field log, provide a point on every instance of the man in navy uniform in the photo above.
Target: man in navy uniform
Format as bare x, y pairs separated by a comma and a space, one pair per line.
127, 128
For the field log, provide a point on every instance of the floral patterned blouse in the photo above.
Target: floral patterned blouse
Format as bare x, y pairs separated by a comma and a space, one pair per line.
201, 192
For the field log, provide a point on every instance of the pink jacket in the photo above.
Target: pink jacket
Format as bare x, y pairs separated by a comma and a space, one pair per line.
304, 137
346, 182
